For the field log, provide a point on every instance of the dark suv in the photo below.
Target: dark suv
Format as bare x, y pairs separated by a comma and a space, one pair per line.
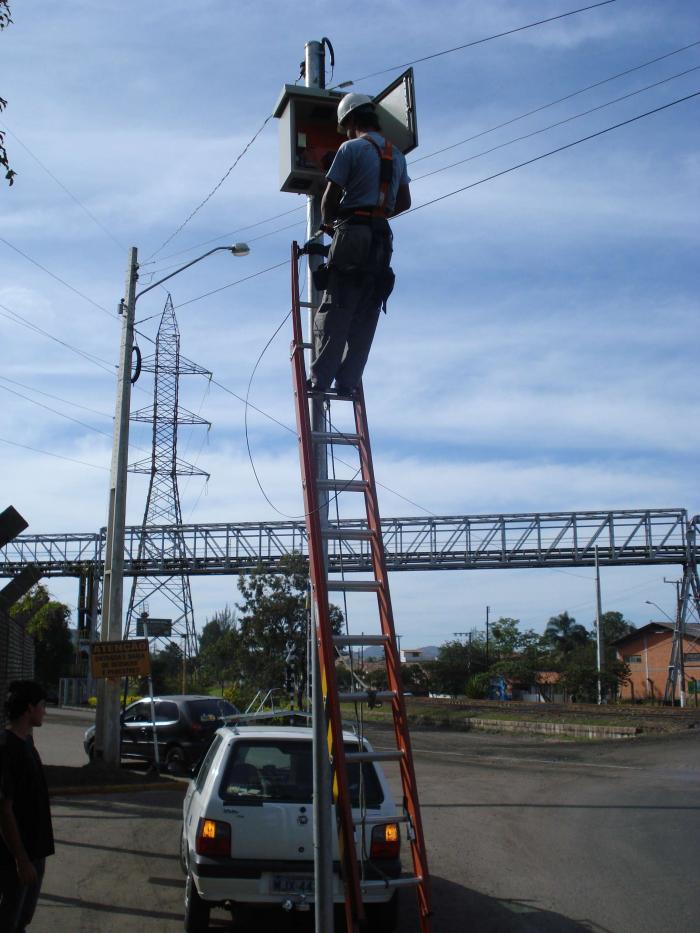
185, 726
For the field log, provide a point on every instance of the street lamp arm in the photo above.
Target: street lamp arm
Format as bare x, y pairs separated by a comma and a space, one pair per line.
650, 603
181, 269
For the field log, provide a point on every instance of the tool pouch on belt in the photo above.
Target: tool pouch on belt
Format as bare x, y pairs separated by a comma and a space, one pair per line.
320, 277
385, 286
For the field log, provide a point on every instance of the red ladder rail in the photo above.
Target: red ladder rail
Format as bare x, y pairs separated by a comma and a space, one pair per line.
354, 886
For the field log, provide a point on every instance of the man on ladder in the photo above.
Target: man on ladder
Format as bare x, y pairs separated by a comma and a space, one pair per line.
367, 183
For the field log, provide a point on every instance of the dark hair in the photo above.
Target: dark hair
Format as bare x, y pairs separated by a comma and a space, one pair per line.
366, 117
21, 694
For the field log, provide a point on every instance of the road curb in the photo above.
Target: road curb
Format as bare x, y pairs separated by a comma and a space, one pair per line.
577, 730
115, 788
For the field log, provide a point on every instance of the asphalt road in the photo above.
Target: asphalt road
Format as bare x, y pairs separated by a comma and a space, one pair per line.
523, 835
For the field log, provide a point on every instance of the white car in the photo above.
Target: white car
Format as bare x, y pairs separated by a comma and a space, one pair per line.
247, 835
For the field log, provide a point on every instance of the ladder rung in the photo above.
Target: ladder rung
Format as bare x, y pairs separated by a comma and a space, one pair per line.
406, 881
350, 641
348, 534
333, 437
380, 820
342, 485
354, 586
306, 304
374, 756
306, 346
362, 696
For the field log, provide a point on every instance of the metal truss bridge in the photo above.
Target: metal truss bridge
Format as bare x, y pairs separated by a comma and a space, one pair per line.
454, 542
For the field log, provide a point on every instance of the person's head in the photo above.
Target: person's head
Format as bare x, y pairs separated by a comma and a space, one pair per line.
26, 697
357, 114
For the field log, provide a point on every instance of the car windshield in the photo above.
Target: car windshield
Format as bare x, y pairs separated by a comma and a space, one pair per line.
260, 770
210, 710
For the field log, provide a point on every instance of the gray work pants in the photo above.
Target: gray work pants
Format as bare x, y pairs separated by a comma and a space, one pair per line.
345, 323
18, 901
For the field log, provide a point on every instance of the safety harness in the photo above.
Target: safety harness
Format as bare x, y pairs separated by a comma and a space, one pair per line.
386, 174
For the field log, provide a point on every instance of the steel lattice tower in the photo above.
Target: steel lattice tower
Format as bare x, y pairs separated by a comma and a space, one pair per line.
163, 500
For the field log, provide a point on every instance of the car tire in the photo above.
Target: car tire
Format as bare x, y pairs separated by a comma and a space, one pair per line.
196, 910
175, 760
383, 917
91, 751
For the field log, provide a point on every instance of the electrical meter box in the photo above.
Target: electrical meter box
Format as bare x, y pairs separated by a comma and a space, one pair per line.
309, 137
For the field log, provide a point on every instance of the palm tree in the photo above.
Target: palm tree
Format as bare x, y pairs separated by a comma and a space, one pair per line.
564, 634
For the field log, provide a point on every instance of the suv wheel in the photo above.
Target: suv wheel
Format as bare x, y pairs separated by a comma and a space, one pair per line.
175, 760
196, 910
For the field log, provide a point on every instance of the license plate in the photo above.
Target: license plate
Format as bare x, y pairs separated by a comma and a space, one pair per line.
293, 884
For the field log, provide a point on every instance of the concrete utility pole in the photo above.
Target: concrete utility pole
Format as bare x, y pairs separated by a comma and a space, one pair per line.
315, 76
107, 722
488, 609
598, 635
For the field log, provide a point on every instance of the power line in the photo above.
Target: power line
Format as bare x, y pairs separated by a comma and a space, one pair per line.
60, 184
24, 322
55, 411
49, 453
57, 398
552, 103
231, 284
216, 187
58, 278
223, 236
468, 45
544, 129
544, 155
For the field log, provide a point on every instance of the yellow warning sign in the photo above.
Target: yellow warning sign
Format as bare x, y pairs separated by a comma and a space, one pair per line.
120, 658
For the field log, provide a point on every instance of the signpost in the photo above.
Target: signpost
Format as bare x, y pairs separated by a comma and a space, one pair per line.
116, 659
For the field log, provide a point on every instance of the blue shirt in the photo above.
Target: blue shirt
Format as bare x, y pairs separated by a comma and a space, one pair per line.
356, 167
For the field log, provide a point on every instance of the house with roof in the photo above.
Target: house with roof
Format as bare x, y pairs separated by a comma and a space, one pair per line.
647, 653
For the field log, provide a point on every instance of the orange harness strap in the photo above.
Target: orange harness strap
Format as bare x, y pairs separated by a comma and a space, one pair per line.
386, 174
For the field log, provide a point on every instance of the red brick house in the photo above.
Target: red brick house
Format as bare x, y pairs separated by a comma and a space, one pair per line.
647, 653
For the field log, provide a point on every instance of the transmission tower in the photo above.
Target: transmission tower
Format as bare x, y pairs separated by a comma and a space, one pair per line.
163, 500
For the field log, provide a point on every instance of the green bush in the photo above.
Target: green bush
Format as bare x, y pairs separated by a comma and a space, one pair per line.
478, 686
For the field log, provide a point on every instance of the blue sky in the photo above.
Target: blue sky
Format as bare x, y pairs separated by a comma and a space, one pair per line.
539, 350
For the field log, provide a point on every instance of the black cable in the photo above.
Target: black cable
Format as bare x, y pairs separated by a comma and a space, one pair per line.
55, 411
215, 188
56, 398
468, 45
48, 453
544, 155
24, 322
58, 278
231, 284
544, 129
552, 103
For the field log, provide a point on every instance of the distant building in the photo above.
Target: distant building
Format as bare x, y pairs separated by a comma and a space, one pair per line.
413, 656
647, 653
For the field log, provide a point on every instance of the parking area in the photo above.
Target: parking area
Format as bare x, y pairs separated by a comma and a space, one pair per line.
523, 835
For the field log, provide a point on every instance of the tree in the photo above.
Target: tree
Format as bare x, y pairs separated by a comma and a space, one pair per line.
273, 624
220, 647
166, 670
47, 621
455, 663
5, 20
564, 634
613, 625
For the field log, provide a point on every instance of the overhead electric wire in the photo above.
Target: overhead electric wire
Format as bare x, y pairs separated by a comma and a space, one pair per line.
559, 100
214, 189
224, 236
468, 45
551, 126
60, 184
25, 322
49, 453
231, 284
56, 398
59, 279
55, 411
551, 152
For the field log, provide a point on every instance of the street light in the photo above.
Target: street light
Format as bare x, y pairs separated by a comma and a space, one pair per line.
650, 603
107, 720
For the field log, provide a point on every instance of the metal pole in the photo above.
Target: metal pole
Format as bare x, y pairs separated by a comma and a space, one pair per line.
487, 637
598, 638
107, 721
314, 64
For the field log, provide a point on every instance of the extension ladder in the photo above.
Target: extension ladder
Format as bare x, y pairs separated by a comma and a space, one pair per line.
320, 533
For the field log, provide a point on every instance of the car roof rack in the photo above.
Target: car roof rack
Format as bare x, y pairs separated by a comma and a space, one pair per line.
245, 719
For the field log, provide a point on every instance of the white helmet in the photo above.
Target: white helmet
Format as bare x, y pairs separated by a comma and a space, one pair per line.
352, 102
